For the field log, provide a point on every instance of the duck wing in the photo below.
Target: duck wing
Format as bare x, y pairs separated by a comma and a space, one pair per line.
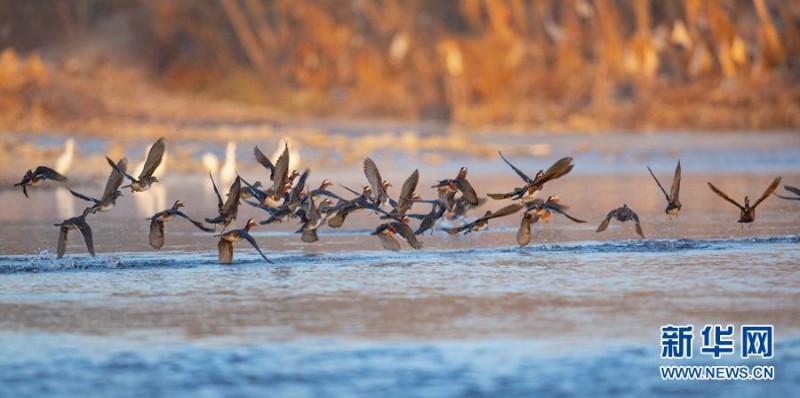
724, 196
505, 211
225, 249
281, 174
792, 189
61, 246
676, 183
84, 197
375, 180
559, 210
635, 218
231, 205
466, 189
48, 173
770, 189
115, 180
196, 223
156, 233
666, 195
405, 232
604, 224
389, 242
249, 239
519, 172
524, 232
154, 157
409, 186
558, 169
264, 161
86, 231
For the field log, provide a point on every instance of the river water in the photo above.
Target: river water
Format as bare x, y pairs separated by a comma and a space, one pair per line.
575, 313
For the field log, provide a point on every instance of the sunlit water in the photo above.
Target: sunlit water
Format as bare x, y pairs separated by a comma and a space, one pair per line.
574, 313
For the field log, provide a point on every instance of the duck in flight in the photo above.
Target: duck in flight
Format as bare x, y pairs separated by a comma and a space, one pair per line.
388, 231
673, 202
111, 193
33, 178
80, 224
229, 209
157, 223
539, 209
747, 212
535, 184
622, 214
146, 178
227, 239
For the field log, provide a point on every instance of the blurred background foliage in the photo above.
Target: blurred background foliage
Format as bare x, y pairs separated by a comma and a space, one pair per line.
539, 64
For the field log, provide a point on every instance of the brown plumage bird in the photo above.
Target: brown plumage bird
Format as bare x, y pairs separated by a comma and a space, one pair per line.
146, 178
78, 223
229, 209
673, 202
111, 193
448, 187
535, 184
33, 178
622, 214
747, 212
386, 233
378, 185
540, 210
226, 240
157, 223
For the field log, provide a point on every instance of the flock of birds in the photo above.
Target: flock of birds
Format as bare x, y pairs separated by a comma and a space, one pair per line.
287, 196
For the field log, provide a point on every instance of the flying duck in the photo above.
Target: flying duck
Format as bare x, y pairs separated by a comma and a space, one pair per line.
535, 184
748, 212
157, 223
622, 214
226, 240
673, 203
33, 178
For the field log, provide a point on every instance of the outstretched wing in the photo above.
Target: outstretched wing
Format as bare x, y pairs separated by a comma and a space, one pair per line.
469, 193
225, 251
61, 246
407, 233
638, 225
409, 186
770, 189
156, 233
519, 172
197, 224
264, 161
604, 224
115, 180
281, 174
232, 202
524, 232
561, 211
505, 211
666, 195
389, 242
792, 189
558, 169
676, 183
154, 157
253, 243
375, 180
724, 196
86, 231
119, 170
216, 191
84, 197
50, 174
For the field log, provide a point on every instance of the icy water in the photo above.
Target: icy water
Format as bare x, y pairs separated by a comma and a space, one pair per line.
574, 314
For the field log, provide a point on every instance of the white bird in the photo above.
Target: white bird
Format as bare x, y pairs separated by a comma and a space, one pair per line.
211, 165
64, 161
228, 171
294, 153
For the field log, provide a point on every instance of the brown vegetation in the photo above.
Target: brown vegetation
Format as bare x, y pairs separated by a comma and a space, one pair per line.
546, 64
